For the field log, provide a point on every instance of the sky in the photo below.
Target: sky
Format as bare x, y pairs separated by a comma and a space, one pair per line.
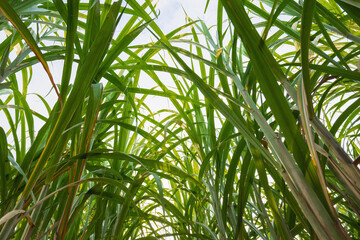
172, 12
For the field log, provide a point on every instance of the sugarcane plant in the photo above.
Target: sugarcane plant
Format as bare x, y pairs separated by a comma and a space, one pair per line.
260, 139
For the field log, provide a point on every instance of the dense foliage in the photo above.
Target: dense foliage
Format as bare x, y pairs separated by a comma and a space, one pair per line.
260, 139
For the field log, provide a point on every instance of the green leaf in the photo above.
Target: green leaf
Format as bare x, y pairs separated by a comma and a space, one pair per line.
13, 17
4, 167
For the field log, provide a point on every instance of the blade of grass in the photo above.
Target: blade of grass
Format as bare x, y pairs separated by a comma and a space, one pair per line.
13, 17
